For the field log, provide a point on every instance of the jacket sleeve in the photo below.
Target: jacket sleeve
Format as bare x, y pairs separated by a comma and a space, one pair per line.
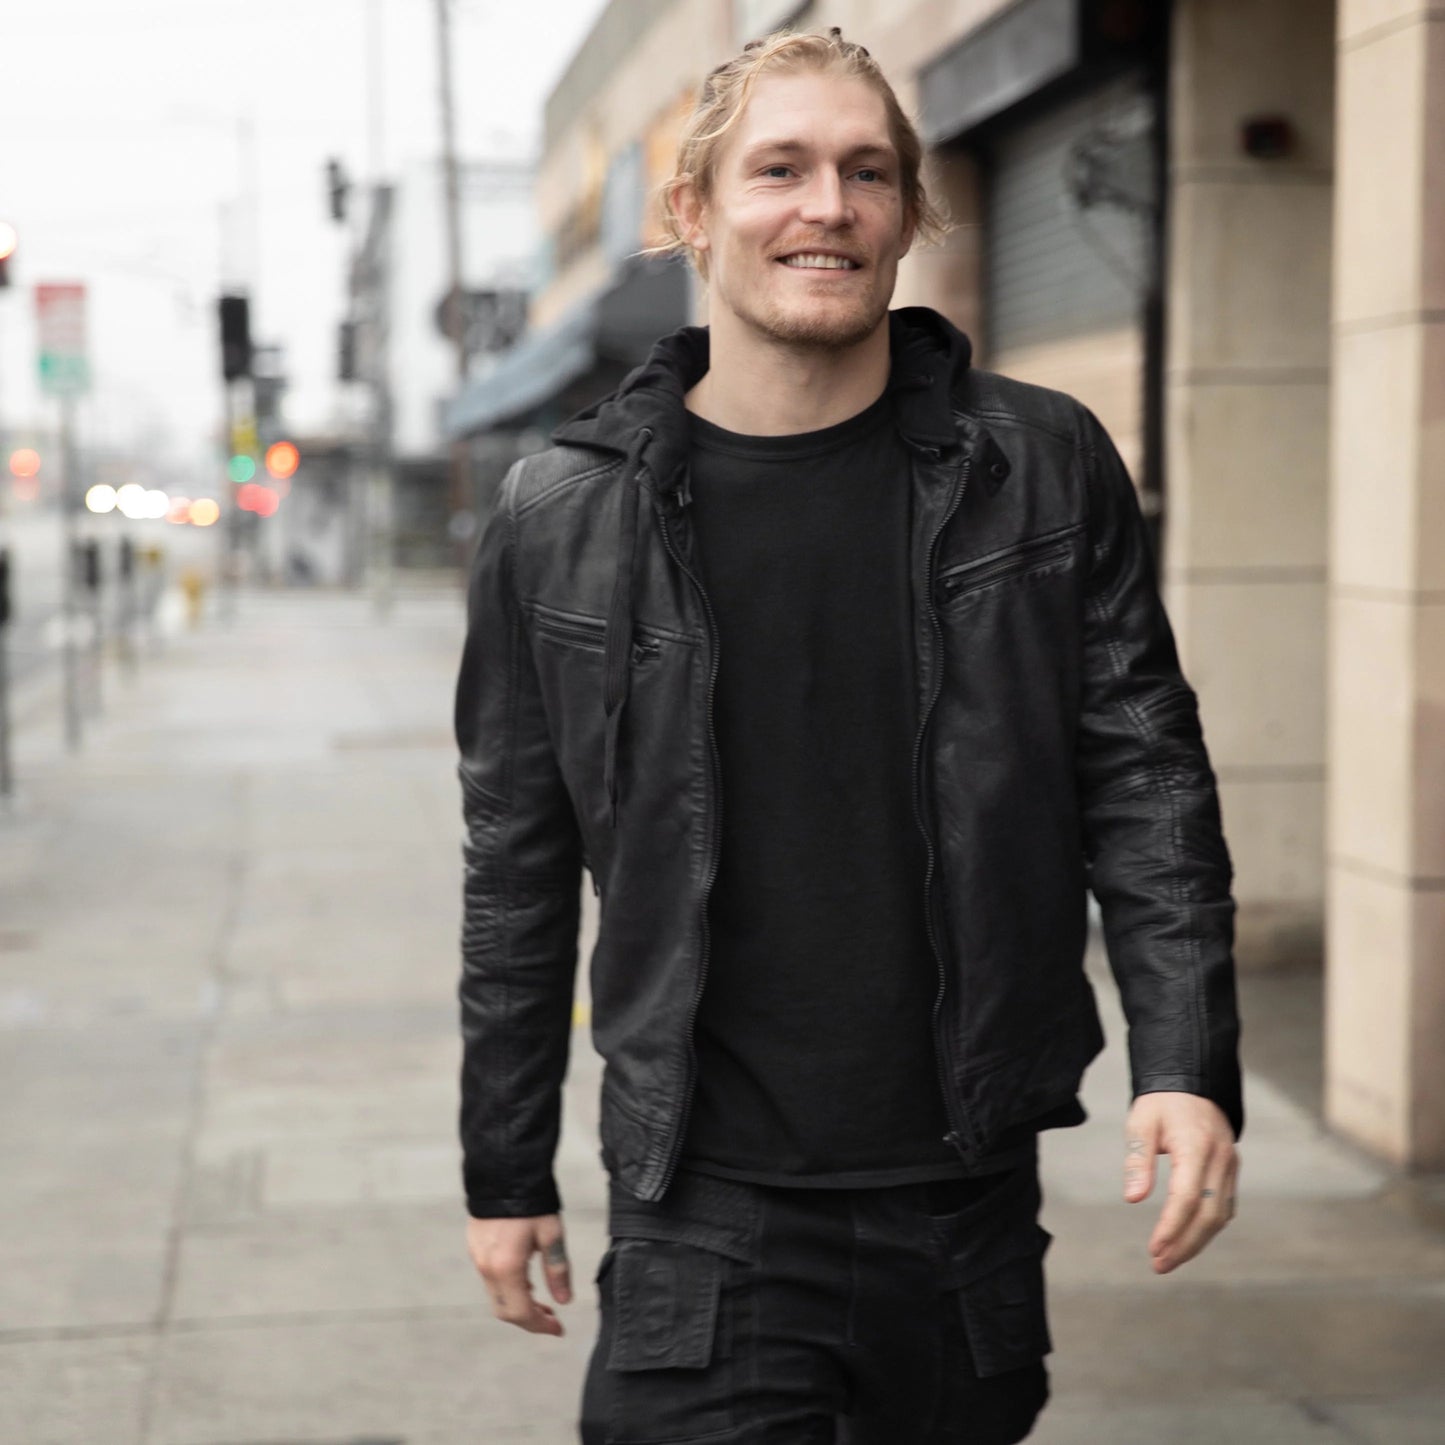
522, 858
1158, 863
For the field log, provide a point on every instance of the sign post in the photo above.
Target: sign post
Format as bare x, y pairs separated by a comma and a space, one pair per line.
65, 374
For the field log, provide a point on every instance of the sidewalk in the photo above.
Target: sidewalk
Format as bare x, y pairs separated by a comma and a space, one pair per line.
228, 1062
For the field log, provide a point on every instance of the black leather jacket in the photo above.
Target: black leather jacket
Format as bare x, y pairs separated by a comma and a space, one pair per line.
1059, 749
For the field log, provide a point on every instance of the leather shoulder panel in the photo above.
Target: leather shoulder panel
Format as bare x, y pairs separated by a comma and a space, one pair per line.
536, 478
995, 399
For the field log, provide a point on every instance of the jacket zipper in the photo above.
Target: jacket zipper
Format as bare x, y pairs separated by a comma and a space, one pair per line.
675, 1147
942, 1053
971, 576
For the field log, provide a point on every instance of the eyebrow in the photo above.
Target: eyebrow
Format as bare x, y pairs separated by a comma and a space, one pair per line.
792, 147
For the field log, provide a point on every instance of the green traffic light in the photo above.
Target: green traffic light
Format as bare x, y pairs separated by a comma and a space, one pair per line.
241, 468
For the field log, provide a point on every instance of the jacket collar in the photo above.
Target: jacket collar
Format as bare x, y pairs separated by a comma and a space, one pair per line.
929, 358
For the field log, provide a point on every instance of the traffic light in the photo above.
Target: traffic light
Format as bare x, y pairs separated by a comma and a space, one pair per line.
24, 463
282, 459
235, 337
9, 239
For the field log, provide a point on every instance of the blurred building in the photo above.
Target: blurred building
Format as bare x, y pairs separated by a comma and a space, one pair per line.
396, 344
1222, 226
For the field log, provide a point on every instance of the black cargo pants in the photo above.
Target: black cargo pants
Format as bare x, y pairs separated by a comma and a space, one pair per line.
739, 1314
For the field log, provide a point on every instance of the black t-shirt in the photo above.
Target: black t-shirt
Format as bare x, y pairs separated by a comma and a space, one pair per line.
816, 1060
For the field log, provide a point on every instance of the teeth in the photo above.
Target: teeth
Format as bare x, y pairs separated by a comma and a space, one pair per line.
830, 263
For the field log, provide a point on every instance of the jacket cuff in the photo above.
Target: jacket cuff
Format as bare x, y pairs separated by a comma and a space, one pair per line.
481, 1204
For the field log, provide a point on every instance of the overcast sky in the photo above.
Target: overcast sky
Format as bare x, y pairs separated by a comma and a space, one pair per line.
121, 165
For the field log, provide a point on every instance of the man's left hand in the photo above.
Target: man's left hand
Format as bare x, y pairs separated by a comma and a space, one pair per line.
1203, 1171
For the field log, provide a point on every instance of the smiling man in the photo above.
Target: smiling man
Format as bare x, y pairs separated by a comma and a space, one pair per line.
841, 665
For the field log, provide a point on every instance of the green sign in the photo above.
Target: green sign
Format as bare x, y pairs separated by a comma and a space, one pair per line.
63, 374
60, 318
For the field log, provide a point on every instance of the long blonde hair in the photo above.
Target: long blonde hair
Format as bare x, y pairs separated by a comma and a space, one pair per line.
724, 96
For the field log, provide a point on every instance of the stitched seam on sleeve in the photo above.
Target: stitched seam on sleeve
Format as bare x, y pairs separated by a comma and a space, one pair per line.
1193, 963
510, 787
1177, 887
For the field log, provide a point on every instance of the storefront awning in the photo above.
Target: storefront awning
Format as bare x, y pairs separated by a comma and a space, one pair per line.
617, 324
536, 368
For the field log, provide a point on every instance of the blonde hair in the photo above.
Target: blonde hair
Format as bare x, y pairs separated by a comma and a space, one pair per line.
724, 96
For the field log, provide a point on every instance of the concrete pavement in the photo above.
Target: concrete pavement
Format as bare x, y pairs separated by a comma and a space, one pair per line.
227, 1092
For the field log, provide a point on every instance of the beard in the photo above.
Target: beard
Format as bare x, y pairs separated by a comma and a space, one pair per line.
829, 323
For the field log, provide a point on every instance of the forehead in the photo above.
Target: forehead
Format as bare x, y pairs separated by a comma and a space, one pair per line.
815, 110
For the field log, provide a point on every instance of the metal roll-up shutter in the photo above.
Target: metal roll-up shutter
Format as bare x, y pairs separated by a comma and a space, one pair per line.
1070, 219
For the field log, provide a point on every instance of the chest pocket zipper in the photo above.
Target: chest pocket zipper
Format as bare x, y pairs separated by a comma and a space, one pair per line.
1035, 556
586, 633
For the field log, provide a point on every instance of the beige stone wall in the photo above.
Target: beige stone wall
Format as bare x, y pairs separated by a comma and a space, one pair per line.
1247, 389
1385, 1014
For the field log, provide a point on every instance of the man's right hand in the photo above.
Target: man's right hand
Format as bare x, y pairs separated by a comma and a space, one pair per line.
502, 1251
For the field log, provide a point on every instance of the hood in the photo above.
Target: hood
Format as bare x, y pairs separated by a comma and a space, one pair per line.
645, 422
929, 355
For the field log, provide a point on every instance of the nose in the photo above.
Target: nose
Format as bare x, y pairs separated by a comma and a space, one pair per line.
825, 201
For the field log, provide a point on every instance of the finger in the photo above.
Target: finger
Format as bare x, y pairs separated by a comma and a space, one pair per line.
513, 1301
1140, 1151
1216, 1196
555, 1267
1186, 1179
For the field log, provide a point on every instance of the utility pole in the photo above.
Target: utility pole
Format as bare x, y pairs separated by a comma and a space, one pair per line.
461, 499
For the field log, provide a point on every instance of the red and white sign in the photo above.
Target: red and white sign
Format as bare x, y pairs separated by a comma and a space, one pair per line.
60, 313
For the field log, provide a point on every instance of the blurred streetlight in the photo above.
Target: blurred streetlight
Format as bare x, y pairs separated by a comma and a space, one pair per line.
101, 498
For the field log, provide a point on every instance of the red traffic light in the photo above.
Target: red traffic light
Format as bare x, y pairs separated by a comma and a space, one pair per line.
24, 463
282, 459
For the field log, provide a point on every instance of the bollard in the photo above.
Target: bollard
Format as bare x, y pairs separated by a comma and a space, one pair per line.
193, 586
90, 577
126, 618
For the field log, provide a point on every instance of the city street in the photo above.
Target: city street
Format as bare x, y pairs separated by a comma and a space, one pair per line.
228, 1057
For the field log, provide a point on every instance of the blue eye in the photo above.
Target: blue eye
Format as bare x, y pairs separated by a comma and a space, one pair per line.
869, 173
771, 169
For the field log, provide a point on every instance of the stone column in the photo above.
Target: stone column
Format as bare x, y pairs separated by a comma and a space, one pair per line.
1385, 994
1247, 404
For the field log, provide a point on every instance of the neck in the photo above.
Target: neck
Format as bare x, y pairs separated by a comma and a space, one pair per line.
759, 386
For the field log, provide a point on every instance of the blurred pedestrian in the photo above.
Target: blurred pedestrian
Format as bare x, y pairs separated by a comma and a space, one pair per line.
841, 665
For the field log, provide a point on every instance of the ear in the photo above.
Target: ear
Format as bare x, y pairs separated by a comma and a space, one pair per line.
691, 215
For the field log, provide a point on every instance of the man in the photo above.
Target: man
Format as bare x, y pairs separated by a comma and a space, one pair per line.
841, 666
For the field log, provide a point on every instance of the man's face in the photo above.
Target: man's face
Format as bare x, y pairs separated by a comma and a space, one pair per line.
806, 223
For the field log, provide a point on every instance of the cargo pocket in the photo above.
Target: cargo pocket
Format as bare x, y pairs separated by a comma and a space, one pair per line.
666, 1351
1004, 1310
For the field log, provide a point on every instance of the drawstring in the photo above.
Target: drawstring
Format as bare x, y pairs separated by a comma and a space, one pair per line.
617, 649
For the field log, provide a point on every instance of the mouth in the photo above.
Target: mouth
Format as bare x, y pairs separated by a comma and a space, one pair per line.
820, 261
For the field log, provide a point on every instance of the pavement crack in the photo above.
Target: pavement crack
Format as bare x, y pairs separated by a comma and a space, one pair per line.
238, 865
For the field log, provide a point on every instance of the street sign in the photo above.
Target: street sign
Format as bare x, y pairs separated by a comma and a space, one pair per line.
60, 314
